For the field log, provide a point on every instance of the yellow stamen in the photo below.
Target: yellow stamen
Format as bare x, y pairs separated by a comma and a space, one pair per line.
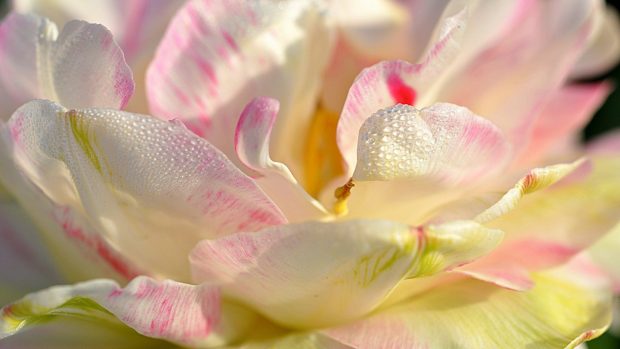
342, 195
322, 160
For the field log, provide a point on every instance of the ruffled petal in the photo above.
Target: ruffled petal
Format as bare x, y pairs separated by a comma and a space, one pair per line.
513, 76
317, 274
137, 25
252, 139
564, 309
180, 313
82, 67
217, 56
392, 82
549, 226
135, 179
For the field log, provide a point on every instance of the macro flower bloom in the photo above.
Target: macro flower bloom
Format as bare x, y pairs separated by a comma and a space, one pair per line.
341, 174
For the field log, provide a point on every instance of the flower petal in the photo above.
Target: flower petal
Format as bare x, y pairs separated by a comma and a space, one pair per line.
76, 253
605, 254
511, 78
75, 333
607, 144
136, 179
217, 56
536, 179
252, 138
305, 340
563, 116
137, 25
444, 141
603, 49
318, 274
25, 264
392, 82
181, 313
565, 308
81, 67
548, 227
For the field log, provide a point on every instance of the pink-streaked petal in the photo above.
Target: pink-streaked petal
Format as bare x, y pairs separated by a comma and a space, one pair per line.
217, 56
373, 31
81, 67
138, 24
405, 30
252, 139
78, 252
566, 307
88, 68
318, 274
181, 313
563, 116
510, 264
445, 142
392, 82
603, 50
513, 77
551, 224
136, 179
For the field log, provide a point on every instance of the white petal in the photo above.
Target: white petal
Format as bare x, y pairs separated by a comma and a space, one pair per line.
319, 274
150, 188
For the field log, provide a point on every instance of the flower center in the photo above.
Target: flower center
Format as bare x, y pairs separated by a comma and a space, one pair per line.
322, 159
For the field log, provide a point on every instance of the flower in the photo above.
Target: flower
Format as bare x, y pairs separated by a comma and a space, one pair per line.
184, 228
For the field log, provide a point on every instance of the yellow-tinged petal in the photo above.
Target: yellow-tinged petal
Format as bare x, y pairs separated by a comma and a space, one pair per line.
319, 274
537, 179
296, 340
566, 307
550, 215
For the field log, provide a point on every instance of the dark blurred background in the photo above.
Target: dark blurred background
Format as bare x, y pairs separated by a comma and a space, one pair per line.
606, 119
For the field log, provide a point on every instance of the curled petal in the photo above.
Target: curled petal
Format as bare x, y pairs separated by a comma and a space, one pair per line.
535, 180
317, 274
252, 138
